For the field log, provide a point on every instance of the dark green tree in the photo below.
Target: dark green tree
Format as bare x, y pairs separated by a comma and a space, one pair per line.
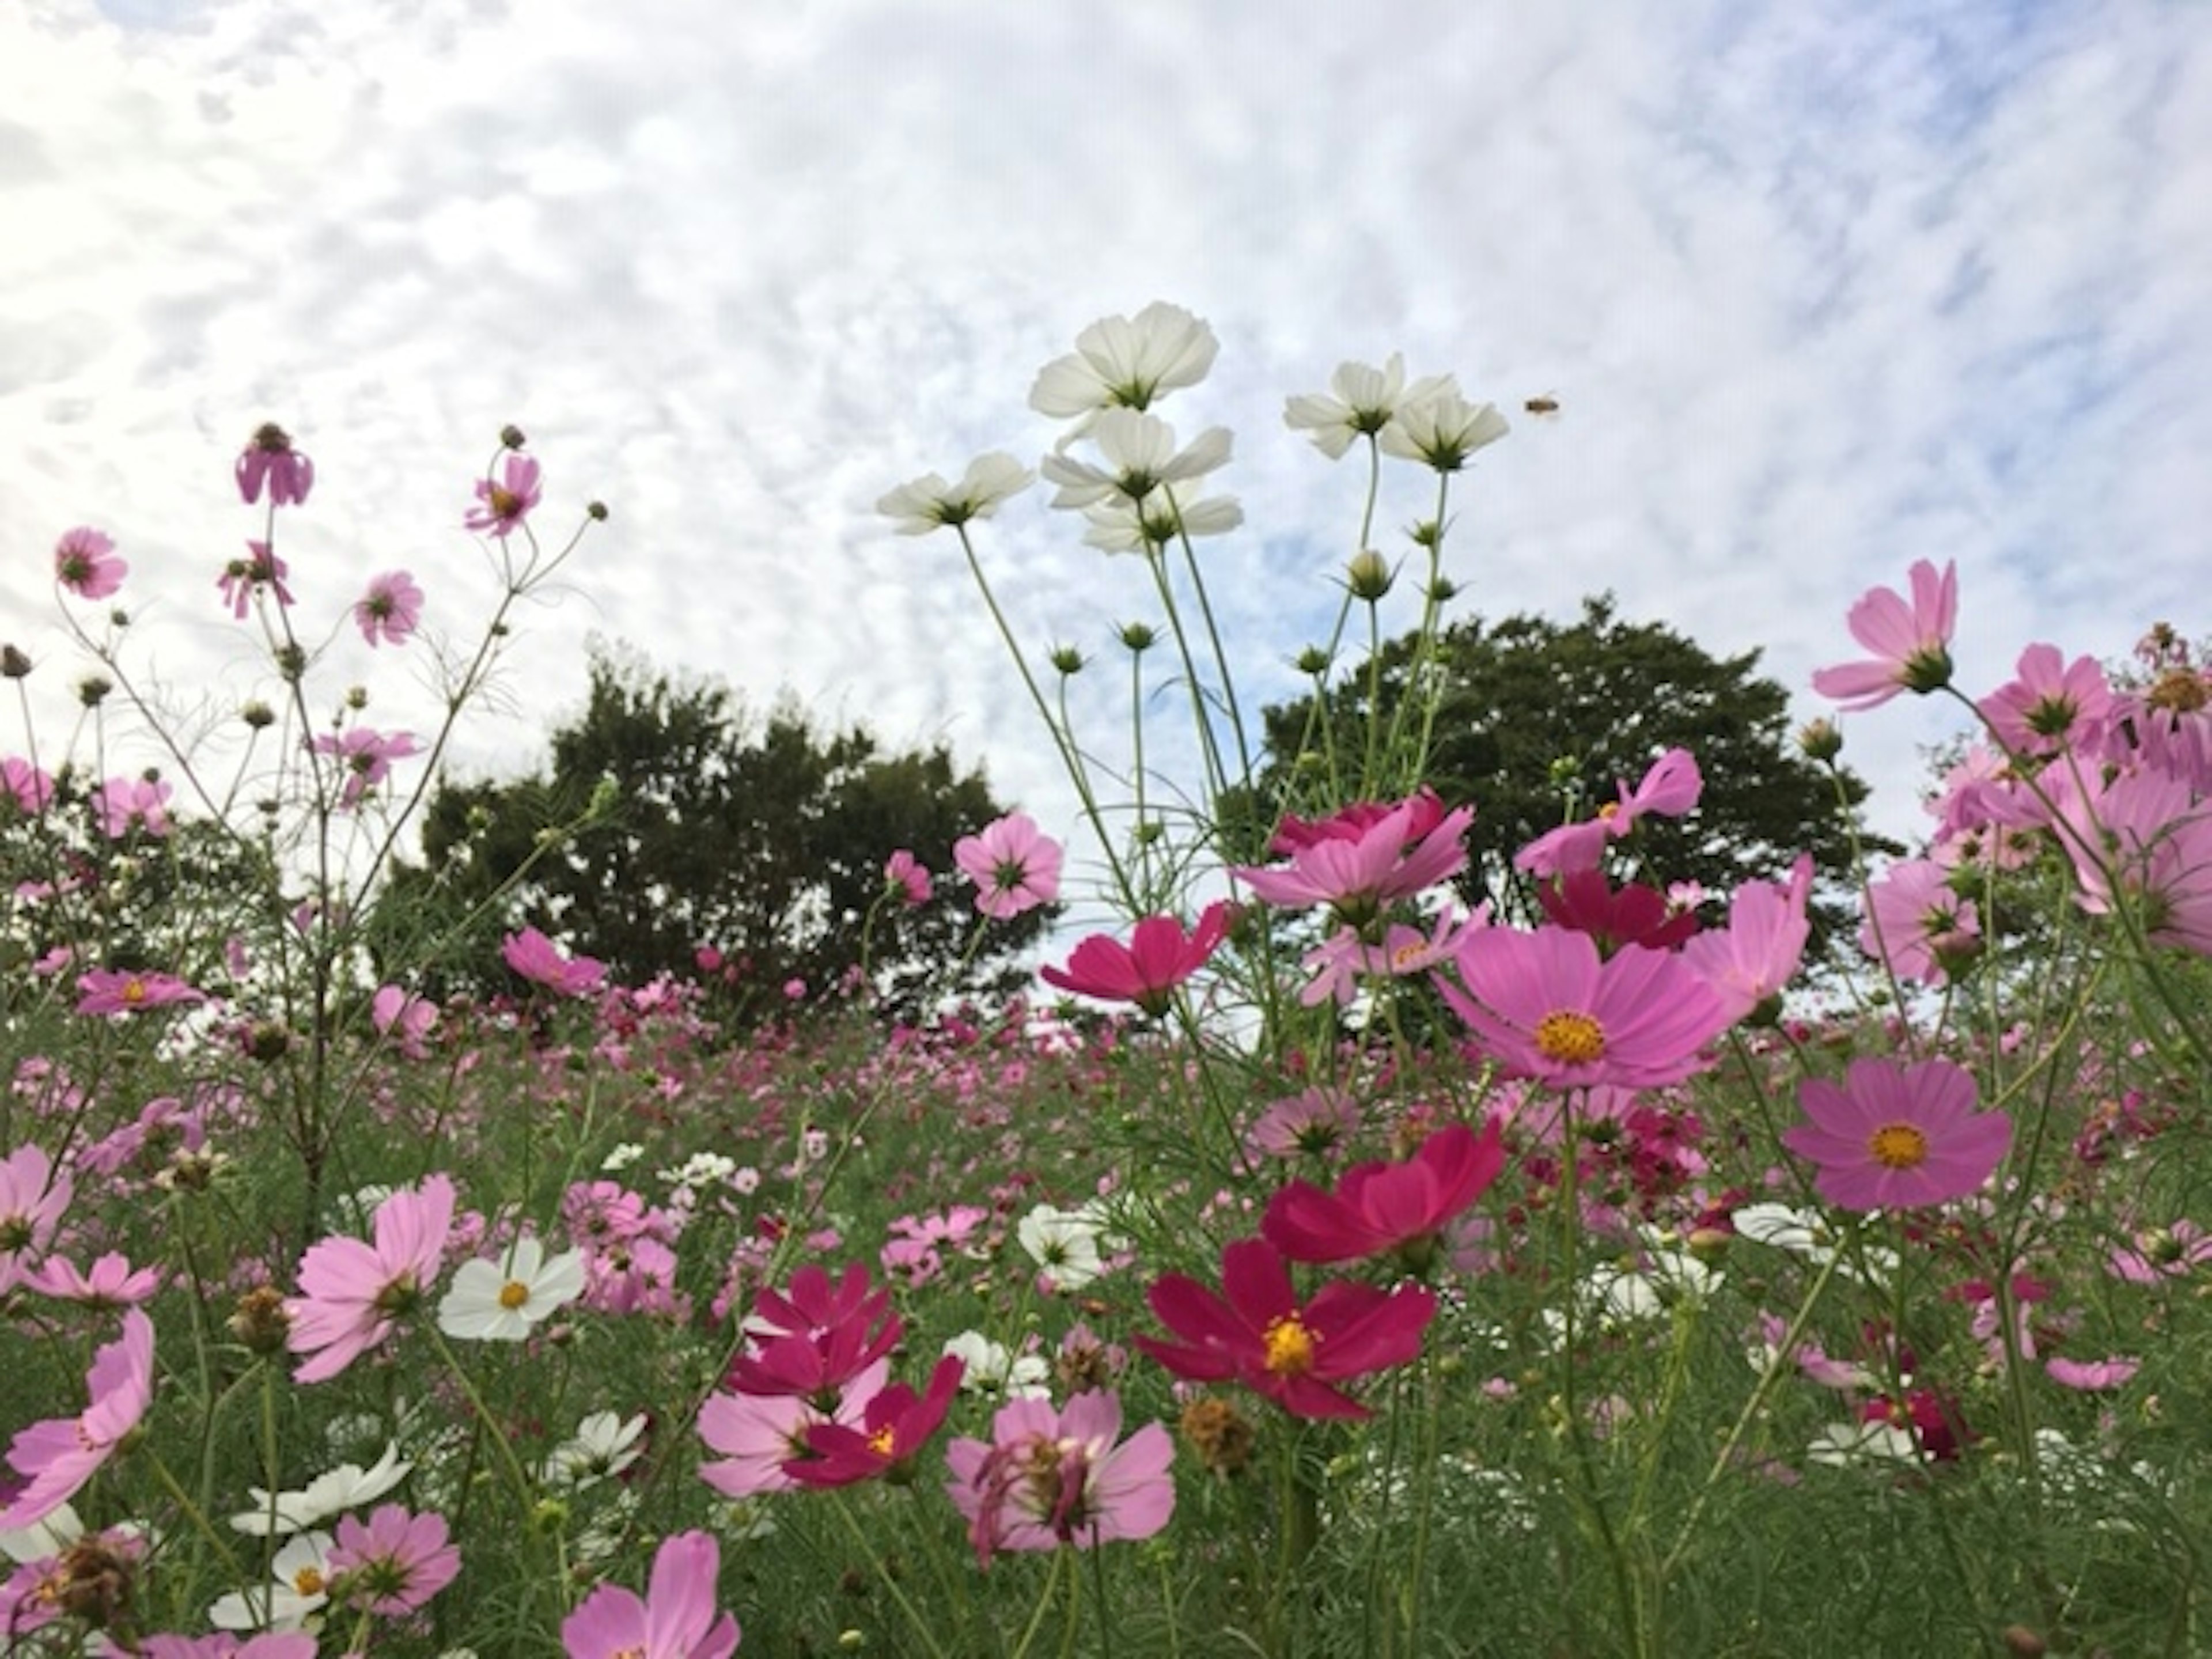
1537, 720
670, 818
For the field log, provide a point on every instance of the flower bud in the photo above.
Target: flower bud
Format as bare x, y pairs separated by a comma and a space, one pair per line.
1821, 740
259, 1322
1219, 1436
1066, 660
259, 715
13, 663
1428, 532
93, 689
119, 619
1442, 590
1369, 576
510, 437
356, 697
1139, 637
291, 661
596, 511
1314, 661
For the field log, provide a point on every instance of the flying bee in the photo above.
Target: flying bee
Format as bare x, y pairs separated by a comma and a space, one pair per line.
1543, 408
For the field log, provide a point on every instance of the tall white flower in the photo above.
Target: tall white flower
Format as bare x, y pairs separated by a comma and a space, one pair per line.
496, 1301
1125, 362
605, 1444
1065, 1244
1140, 455
994, 1371
1122, 526
348, 1486
1442, 428
302, 1570
929, 503
1365, 399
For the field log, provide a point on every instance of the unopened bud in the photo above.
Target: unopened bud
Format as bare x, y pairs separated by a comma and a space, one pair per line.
1137, 636
259, 715
91, 690
1442, 590
291, 661
511, 437
1821, 740
596, 511
13, 663
1314, 662
1066, 660
1369, 576
119, 618
259, 1322
1427, 533
356, 697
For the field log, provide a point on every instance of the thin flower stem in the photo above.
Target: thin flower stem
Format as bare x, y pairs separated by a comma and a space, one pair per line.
1216, 779
920, 1626
1044, 1602
1220, 656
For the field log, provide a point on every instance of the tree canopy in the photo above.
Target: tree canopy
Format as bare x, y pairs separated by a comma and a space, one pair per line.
671, 819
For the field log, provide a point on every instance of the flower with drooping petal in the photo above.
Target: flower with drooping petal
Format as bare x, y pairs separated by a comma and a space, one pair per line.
676, 1619
85, 563
1255, 1331
405, 1018
1897, 1137
270, 458
131, 991
1911, 641
929, 503
1050, 1477
1381, 1208
1158, 957
1141, 457
1441, 428
895, 1425
1757, 952
1127, 361
904, 874
1014, 865
1389, 858
392, 1563
2091, 1375
503, 503
57, 1457
389, 611
540, 961
277, 1514
504, 1300
351, 1291
261, 568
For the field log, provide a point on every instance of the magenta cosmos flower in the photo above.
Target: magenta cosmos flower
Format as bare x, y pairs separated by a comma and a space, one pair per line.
677, 1619
503, 503
1014, 865
268, 458
1255, 1331
1050, 1477
1911, 641
260, 569
1382, 1207
1897, 1137
1391, 857
539, 960
895, 1425
388, 612
59, 1455
85, 563
349, 1291
1158, 957
131, 991
1546, 1007
392, 1563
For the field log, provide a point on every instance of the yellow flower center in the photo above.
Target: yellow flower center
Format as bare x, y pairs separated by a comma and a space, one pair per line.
505, 503
134, 991
308, 1581
514, 1293
1897, 1146
1290, 1347
1570, 1036
882, 1441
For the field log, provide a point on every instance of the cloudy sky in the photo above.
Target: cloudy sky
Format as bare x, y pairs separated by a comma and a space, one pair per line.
1821, 289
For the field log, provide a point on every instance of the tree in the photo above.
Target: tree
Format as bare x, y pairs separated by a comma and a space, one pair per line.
1536, 720
671, 819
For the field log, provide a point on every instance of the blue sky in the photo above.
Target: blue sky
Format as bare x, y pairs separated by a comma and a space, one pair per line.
1822, 288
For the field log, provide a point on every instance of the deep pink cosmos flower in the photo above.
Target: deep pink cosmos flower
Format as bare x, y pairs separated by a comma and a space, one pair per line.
1895, 1137
539, 960
1254, 1332
367, 758
1158, 957
392, 1563
59, 1455
85, 563
1014, 865
1917, 923
759, 1436
676, 1619
1351, 823
1047, 1478
270, 458
351, 1292
504, 502
1546, 1007
132, 991
388, 612
1585, 902
1911, 641
122, 805
817, 1338
2051, 704
1758, 953
34, 1197
903, 874
261, 568
1378, 1208
894, 1427
1389, 858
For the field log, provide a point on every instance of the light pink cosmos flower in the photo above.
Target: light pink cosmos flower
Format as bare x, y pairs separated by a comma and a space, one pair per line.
132, 991
34, 1196
388, 612
31, 787
270, 458
2051, 704
2148, 836
2157, 1253
111, 1282
1389, 859
60, 1455
2092, 1374
405, 1019
1338, 962
367, 758
540, 961
504, 502
1014, 865
85, 563
903, 874
1308, 1124
1897, 1137
1047, 1478
1911, 641
676, 1619
392, 1563
260, 569
349, 1291
1918, 924
757, 1434
124, 803
1758, 952
1670, 787
228, 1644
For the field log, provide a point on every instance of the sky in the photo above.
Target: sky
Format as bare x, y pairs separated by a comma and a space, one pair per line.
1820, 290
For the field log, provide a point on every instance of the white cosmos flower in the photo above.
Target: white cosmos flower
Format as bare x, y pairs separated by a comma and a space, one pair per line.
43, 1537
1442, 428
605, 1444
502, 1301
1122, 526
994, 1372
1065, 1244
302, 1570
346, 1487
1140, 456
1125, 361
1365, 399
1804, 1233
1850, 1445
929, 503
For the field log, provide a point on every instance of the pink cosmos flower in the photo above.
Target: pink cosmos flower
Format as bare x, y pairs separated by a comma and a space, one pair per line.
388, 612
29, 786
391, 1564
2158, 1253
1548, 1007
761, 1434
1351, 823
60, 1455
2051, 704
405, 1020
1671, 787
503, 503
1014, 865
540, 961
1765, 940
2148, 835
1911, 641
1916, 922
676, 1619
1158, 957
1255, 1331
270, 458
1342, 960
228, 1644
261, 568
895, 1425
34, 1197
110, 1282
817, 1337
85, 563
367, 758
1047, 1478
131, 991
349, 1291
904, 873
2092, 1374
124, 803
1305, 1125
1389, 859
1381, 1208
1897, 1137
